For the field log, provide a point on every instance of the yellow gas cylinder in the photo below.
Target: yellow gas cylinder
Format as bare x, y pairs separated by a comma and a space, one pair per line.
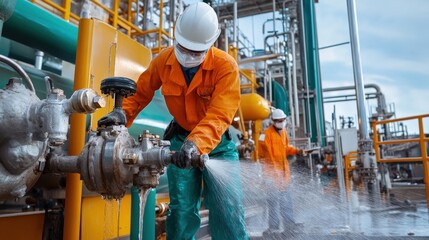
254, 107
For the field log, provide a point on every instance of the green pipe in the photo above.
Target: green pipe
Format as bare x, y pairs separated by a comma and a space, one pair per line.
313, 73
148, 218
6, 8
38, 78
39, 29
280, 97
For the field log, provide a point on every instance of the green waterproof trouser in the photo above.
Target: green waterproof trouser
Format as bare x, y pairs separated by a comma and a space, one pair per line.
223, 197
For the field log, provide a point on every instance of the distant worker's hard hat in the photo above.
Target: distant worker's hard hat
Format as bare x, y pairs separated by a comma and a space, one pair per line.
197, 28
278, 114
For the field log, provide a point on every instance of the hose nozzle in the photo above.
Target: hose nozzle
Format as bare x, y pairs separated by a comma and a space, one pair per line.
200, 161
197, 161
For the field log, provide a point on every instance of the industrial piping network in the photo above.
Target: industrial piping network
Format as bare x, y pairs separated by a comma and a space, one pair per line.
111, 160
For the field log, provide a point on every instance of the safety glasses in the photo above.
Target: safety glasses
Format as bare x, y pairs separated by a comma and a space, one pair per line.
185, 51
279, 120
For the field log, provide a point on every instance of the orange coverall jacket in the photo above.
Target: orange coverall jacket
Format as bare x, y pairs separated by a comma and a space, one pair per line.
275, 150
205, 108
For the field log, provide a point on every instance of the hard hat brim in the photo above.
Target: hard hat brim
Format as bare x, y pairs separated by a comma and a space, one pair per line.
193, 45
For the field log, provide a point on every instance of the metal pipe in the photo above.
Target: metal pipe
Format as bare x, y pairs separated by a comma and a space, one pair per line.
19, 70
294, 79
226, 36
270, 86
235, 22
276, 41
63, 164
291, 106
366, 149
265, 80
295, 84
38, 60
40, 29
381, 101
305, 68
258, 58
274, 16
357, 70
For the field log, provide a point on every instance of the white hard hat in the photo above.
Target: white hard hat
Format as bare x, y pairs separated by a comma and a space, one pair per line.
197, 28
278, 114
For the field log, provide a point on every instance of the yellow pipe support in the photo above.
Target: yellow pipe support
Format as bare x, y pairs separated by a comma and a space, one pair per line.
256, 133
423, 149
399, 160
422, 140
115, 13
67, 7
249, 77
73, 202
399, 141
401, 119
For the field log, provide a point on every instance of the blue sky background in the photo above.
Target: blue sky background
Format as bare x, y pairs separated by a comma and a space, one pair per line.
394, 39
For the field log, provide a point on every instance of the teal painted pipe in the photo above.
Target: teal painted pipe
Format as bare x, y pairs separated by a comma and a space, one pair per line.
6, 9
280, 97
38, 78
39, 29
313, 73
148, 218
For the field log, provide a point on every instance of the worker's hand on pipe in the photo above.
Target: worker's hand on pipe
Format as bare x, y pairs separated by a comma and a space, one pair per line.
187, 152
115, 117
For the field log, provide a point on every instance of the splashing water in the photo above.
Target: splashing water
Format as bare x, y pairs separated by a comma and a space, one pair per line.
118, 201
143, 196
315, 206
108, 218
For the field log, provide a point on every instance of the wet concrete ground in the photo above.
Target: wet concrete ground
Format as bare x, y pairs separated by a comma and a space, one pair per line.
322, 214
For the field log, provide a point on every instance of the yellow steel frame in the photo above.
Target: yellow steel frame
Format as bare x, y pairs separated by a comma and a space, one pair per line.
102, 52
119, 21
351, 156
424, 159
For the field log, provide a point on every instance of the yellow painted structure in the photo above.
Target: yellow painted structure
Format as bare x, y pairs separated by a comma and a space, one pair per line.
422, 140
254, 107
22, 226
100, 218
102, 52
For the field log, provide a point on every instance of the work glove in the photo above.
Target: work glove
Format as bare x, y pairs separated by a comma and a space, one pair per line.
115, 117
187, 152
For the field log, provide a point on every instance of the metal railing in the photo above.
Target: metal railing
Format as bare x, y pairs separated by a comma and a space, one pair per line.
422, 140
349, 165
122, 20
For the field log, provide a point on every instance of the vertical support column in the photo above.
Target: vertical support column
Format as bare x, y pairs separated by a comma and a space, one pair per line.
316, 118
257, 127
425, 159
365, 144
73, 202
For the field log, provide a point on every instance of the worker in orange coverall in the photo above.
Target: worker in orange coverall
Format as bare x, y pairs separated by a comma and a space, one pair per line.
275, 167
201, 88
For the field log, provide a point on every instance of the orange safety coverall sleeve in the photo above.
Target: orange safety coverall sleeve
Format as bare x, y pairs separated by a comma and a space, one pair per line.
205, 108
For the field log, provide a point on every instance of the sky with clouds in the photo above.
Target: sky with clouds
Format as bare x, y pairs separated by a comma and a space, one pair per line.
394, 38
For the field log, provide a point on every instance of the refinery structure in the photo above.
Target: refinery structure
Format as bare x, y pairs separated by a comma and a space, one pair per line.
67, 63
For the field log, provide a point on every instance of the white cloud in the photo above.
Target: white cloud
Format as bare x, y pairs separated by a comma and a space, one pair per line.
394, 54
